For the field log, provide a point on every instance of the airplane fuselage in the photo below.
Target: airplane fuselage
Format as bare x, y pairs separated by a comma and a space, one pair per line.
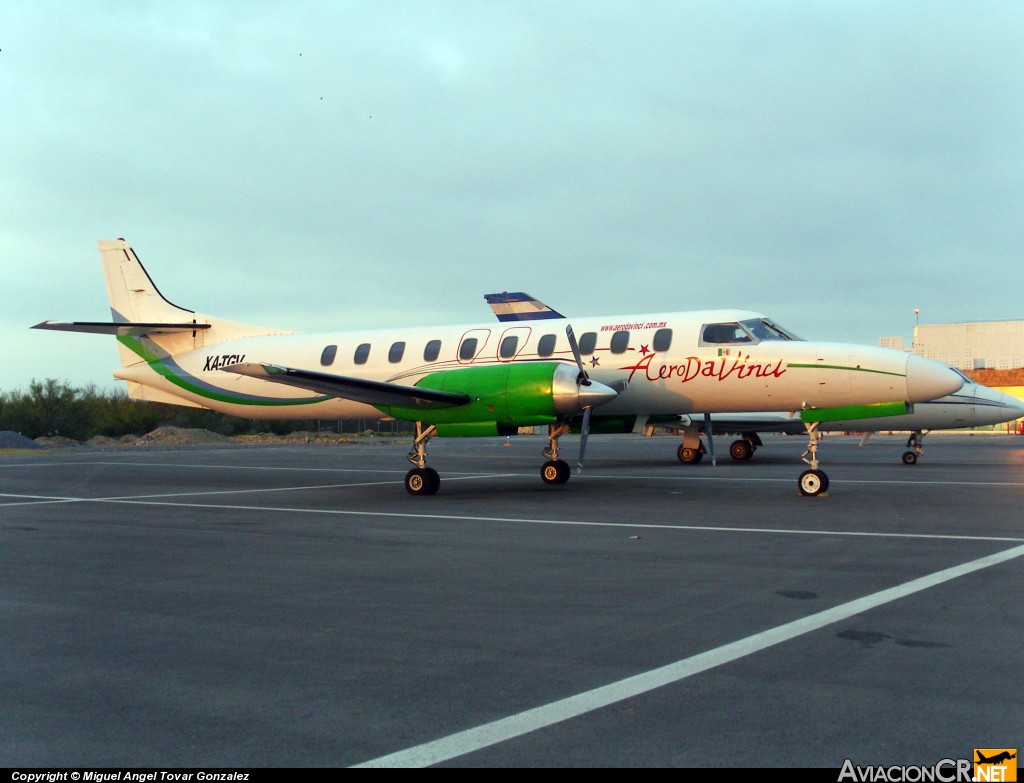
659, 363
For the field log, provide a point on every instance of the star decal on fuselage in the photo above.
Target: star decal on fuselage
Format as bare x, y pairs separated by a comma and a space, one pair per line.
594, 361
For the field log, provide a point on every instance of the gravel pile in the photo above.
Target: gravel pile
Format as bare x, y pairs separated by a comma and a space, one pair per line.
15, 440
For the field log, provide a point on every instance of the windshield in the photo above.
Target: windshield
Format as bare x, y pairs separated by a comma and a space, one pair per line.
753, 330
763, 329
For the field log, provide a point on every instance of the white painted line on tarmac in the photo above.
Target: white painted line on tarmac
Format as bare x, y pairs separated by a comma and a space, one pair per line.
42, 499
554, 522
488, 734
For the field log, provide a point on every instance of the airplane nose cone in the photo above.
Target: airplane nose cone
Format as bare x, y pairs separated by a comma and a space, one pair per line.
928, 380
1004, 407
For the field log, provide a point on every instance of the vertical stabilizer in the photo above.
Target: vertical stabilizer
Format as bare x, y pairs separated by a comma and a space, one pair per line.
134, 298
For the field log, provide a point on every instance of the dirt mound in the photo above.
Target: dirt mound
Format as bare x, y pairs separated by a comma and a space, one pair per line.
180, 436
57, 442
106, 442
318, 437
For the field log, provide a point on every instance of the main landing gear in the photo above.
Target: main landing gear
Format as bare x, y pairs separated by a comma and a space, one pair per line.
422, 480
555, 470
691, 455
691, 450
743, 449
813, 481
914, 442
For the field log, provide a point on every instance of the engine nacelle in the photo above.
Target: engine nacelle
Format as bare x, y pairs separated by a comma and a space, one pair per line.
517, 394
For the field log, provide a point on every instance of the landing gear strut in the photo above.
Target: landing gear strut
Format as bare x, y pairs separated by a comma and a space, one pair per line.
813, 481
422, 480
914, 442
555, 470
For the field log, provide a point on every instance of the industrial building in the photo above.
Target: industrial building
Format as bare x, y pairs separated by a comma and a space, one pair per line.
989, 352
980, 345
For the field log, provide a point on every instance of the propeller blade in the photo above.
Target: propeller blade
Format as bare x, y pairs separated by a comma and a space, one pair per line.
584, 431
575, 346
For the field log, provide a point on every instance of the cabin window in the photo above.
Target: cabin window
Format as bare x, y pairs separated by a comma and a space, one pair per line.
662, 340
396, 353
588, 341
508, 347
468, 349
620, 342
362, 353
327, 357
432, 351
546, 346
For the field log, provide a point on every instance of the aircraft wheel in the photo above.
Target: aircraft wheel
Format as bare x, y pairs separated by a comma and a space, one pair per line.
555, 471
909, 458
813, 482
741, 450
422, 481
690, 456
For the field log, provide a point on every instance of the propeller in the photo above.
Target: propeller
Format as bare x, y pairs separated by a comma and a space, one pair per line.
581, 380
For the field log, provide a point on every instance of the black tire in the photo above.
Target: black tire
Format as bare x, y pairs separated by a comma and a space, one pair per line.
422, 481
555, 471
909, 458
434, 480
690, 456
813, 482
741, 450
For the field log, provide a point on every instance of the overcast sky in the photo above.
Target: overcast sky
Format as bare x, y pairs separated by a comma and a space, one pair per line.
334, 165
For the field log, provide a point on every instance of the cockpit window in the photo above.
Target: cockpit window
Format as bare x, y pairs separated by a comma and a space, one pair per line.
763, 329
753, 330
964, 377
725, 334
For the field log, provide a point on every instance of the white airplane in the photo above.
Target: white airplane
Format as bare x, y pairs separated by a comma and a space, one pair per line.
973, 405
477, 380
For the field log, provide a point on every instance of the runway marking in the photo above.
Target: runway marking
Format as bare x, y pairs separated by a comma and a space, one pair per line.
42, 499
513, 726
153, 500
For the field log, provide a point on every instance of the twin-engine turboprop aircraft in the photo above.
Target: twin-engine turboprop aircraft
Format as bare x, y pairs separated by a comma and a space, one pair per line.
486, 380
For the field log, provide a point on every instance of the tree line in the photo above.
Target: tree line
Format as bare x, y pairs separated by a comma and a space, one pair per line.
53, 407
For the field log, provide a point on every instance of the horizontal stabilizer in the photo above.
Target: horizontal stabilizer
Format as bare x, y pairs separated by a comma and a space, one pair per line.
120, 329
379, 393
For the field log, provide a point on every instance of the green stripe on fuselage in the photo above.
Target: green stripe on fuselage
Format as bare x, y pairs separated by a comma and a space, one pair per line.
842, 367
851, 412
157, 364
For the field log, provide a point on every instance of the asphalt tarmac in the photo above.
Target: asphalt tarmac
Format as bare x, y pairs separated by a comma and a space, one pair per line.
294, 606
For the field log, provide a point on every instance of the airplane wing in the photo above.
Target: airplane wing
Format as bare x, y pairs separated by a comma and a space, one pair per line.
349, 388
120, 329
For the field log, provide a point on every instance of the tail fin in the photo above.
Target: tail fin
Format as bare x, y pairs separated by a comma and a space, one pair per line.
148, 327
134, 298
519, 306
